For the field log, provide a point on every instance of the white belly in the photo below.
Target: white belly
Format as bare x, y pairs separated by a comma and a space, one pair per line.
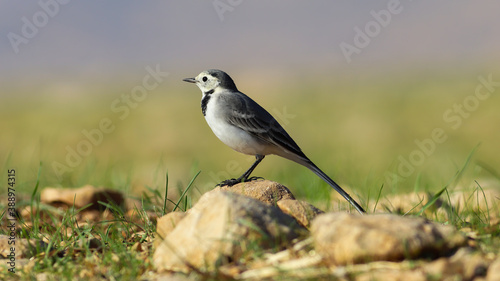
232, 136
236, 138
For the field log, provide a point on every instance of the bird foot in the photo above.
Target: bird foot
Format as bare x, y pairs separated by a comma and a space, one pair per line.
231, 182
254, 179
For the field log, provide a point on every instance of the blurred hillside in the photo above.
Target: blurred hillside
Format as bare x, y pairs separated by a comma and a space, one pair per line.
377, 128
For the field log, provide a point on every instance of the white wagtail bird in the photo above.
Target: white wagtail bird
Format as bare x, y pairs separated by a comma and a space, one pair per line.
242, 124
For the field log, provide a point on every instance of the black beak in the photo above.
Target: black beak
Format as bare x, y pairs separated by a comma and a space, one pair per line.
190, 80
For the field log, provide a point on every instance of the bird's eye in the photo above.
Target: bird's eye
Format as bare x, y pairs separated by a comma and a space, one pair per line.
204, 78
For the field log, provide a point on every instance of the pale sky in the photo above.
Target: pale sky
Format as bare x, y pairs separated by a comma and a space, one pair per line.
63, 39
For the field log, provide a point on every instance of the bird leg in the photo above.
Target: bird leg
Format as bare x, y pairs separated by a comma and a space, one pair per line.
245, 176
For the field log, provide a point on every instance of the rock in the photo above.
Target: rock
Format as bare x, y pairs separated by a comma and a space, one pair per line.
274, 193
472, 264
302, 211
393, 275
88, 243
166, 224
475, 200
265, 191
222, 227
22, 248
133, 204
494, 271
465, 264
80, 197
339, 204
342, 238
402, 203
172, 276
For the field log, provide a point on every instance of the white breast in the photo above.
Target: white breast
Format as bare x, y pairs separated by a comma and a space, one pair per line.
232, 136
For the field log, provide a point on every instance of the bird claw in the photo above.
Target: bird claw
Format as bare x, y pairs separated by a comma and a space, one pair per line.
231, 182
254, 179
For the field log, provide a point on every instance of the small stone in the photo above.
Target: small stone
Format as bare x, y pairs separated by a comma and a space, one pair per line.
302, 211
342, 238
80, 197
465, 264
265, 191
478, 200
391, 274
402, 203
494, 271
22, 248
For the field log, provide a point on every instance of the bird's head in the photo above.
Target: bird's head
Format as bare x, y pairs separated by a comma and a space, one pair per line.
210, 80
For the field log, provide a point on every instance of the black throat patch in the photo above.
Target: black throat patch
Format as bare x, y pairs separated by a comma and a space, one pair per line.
204, 101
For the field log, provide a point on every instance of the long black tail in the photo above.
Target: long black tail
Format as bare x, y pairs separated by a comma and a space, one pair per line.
335, 186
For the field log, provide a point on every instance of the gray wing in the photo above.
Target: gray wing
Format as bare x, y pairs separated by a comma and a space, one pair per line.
248, 115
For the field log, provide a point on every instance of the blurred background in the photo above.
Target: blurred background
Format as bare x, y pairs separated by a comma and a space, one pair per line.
387, 93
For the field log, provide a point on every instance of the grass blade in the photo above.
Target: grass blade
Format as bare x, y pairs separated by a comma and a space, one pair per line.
166, 193
433, 200
458, 175
185, 191
378, 197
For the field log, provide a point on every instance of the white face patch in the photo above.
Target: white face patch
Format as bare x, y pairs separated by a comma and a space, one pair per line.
206, 82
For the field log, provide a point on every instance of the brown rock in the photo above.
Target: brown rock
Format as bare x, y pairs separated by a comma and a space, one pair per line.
80, 197
440, 268
339, 204
172, 276
472, 264
393, 275
22, 248
475, 200
342, 238
133, 204
265, 191
166, 224
402, 203
494, 271
302, 211
465, 264
222, 227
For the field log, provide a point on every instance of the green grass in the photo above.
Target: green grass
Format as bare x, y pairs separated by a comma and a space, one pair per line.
96, 250
115, 257
353, 128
